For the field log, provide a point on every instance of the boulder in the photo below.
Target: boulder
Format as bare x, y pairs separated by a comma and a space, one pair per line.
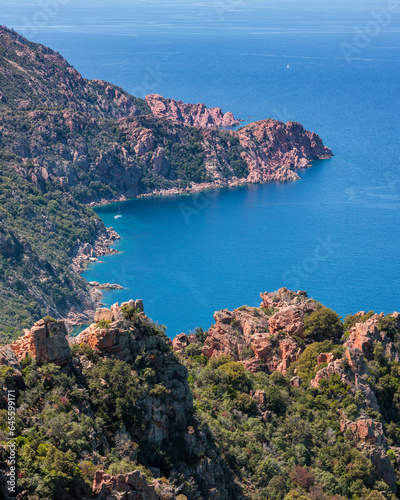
295, 382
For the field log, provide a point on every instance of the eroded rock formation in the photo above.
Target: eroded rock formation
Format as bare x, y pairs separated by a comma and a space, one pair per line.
266, 334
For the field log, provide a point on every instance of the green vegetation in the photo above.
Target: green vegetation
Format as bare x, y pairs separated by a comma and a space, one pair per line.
103, 324
278, 441
39, 233
305, 365
72, 422
323, 324
351, 320
298, 446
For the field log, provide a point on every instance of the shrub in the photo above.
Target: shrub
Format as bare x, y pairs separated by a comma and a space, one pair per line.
245, 403
193, 350
103, 324
305, 365
275, 400
323, 324
388, 325
49, 319
276, 488
236, 373
277, 378
27, 361
247, 353
128, 312
159, 391
352, 320
295, 495
375, 495
114, 390
302, 477
269, 311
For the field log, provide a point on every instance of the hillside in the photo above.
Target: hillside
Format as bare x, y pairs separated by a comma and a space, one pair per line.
67, 142
281, 401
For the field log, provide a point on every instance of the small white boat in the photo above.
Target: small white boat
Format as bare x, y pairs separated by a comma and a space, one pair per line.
119, 215
287, 67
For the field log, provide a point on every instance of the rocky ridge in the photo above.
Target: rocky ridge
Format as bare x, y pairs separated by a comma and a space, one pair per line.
268, 336
193, 115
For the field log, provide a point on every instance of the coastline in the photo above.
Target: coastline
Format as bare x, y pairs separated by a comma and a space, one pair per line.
193, 189
85, 255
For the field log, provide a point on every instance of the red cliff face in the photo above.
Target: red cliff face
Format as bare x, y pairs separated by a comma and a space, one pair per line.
194, 115
364, 336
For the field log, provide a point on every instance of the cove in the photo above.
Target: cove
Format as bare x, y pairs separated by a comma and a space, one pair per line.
188, 256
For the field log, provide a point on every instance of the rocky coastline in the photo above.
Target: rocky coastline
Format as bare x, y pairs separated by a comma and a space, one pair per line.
86, 254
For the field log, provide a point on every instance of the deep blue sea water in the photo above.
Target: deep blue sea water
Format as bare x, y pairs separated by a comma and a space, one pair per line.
336, 231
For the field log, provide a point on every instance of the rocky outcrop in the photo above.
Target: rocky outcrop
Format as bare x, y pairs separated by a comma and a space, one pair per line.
131, 486
366, 335
194, 115
87, 252
295, 382
272, 150
8, 358
365, 430
45, 343
368, 435
266, 336
181, 341
115, 341
326, 357
105, 286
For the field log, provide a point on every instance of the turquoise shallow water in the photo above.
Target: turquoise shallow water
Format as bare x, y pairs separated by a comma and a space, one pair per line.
335, 233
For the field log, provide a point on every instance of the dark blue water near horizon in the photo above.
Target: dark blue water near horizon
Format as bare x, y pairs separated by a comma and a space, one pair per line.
334, 233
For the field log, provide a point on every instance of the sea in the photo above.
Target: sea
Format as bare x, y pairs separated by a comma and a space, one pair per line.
333, 66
